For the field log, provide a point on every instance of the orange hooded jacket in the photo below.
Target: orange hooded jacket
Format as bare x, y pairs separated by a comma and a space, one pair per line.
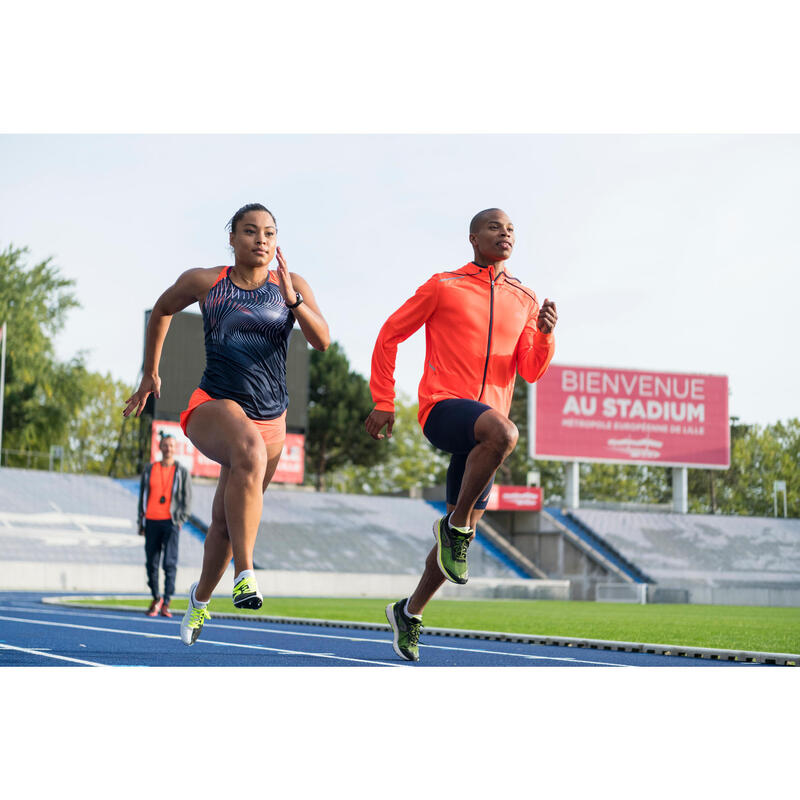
479, 331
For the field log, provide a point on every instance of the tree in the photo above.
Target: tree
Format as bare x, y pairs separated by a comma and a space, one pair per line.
759, 457
411, 461
338, 403
41, 394
102, 441
515, 468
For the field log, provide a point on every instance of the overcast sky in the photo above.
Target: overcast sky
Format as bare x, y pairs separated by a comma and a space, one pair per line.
663, 252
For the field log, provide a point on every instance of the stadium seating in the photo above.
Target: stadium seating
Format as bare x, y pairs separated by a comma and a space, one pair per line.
74, 532
719, 559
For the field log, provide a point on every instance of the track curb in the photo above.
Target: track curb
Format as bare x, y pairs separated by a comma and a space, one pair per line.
714, 654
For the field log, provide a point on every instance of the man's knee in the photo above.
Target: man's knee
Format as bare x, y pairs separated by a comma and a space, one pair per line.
498, 431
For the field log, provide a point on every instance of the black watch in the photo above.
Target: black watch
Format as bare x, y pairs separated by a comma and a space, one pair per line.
299, 300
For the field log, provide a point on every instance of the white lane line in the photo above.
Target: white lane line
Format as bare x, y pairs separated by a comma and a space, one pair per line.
37, 652
433, 646
259, 628
282, 650
531, 657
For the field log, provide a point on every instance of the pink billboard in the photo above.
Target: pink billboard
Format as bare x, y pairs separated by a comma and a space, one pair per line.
629, 416
514, 498
290, 467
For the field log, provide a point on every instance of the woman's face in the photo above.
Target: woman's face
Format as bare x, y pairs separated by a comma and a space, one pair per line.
255, 239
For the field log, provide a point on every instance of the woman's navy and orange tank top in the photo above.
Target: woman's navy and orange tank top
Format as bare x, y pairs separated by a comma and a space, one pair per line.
247, 338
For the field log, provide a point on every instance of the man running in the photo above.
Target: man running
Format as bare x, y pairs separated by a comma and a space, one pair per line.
482, 326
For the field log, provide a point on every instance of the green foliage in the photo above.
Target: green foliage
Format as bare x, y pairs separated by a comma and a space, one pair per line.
410, 460
102, 441
514, 470
339, 402
41, 394
759, 457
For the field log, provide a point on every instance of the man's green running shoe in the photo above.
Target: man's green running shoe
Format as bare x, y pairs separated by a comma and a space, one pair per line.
406, 631
246, 594
451, 549
193, 619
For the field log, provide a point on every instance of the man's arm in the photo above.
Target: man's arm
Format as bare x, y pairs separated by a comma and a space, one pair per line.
536, 345
187, 495
140, 510
408, 319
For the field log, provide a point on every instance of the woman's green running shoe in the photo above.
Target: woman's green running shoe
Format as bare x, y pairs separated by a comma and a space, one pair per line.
193, 619
246, 594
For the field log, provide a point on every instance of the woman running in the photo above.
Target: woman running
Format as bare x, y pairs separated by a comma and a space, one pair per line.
237, 416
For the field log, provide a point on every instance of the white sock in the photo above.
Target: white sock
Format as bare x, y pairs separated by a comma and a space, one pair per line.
408, 613
245, 573
195, 601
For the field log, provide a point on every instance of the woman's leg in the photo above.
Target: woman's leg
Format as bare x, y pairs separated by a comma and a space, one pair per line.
222, 432
217, 551
274, 451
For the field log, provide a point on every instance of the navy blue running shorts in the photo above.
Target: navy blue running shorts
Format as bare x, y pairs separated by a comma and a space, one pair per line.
451, 427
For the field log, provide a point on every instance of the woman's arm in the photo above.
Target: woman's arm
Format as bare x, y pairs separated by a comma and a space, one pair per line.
307, 314
192, 286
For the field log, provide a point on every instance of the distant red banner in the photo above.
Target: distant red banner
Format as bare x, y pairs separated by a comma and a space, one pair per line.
630, 416
515, 498
290, 467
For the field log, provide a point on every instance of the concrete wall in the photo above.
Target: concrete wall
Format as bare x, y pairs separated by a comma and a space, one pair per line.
126, 579
551, 551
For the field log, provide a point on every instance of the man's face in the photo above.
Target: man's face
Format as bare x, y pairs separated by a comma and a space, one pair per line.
168, 448
494, 238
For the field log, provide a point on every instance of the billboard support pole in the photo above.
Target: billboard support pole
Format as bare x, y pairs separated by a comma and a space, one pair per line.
572, 483
680, 490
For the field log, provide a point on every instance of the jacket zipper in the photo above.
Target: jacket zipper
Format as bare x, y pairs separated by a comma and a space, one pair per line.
491, 318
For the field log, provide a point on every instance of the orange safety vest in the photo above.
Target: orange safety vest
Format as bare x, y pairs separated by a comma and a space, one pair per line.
479, 331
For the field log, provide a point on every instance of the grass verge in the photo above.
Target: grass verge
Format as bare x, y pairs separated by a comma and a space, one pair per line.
764, 629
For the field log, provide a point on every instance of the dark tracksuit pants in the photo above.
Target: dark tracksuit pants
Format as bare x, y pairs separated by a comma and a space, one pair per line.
161, 535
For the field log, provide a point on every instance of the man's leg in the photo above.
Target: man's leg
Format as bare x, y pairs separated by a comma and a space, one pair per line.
432, 578
496, 438
152, 555
486, 437
170, 560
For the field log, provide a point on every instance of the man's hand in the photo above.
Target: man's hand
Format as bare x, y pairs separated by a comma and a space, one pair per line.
547, 317
375, 422
141, 531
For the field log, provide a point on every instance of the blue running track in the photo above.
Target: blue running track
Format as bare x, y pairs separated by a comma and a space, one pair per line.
33, 634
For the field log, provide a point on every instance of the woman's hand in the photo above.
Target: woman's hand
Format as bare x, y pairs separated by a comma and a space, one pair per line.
284, 276
151, 384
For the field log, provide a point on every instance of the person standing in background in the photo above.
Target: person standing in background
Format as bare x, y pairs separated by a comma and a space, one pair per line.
165, 497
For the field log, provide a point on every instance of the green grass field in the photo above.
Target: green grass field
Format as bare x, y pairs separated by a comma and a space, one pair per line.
775, 630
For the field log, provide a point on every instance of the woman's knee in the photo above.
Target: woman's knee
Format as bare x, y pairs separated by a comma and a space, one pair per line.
249, 457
